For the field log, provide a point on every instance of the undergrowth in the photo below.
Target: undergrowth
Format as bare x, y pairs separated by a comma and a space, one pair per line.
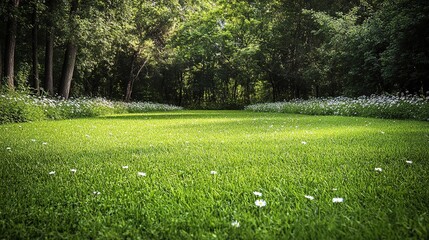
20, 107
385, 106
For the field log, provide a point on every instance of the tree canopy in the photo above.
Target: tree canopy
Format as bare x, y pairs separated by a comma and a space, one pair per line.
214, 53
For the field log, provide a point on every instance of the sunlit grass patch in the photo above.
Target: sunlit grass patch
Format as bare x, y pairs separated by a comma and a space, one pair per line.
215, 174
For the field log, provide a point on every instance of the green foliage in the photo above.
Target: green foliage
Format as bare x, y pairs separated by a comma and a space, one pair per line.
21, 107
15, 107
205, 54
386, 106
285, 157
375, 48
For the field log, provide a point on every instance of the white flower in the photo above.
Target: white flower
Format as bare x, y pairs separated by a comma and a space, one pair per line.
44, 143
409, 162
141, 174
260, 203
259, 194
378, 169
33, 140
9, 148
304, 142
213, 172
235, 223
309, 197
334, 189
337, 200
96, 193
52, 173
73, 170
125, 167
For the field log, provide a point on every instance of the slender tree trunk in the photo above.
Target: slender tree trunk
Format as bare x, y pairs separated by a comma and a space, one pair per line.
130, 79
1, 63
69, 58
247, 91
49, 51
35, 71
133, 77
68, 68
180, 87
273, 87
10, 44
49, 62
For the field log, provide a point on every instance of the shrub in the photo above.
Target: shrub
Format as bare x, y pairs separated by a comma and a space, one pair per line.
384, 106
138, 107
21, 107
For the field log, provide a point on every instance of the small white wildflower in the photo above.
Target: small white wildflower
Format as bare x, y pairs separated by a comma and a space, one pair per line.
309, 197
334, 189
409, 162
141, 174
259, 194
73, 170
378, 169
235, 223
44, 143
304, 142
33, 140
125, 167
213, 172
260, 203
337, 200
96, 193
52, 173
9, 148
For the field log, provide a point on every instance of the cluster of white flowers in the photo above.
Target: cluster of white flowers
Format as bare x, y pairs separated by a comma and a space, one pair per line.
58, 108
384, 106
138, 107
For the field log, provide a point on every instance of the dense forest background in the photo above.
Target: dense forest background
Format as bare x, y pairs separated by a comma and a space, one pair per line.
214, 53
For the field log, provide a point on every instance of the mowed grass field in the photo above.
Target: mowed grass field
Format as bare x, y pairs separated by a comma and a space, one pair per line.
197, 175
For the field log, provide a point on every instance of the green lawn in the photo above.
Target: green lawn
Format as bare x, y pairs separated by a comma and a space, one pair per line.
284, 157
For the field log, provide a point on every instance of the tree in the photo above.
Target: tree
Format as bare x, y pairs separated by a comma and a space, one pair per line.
150, 23
35, 63
376, 48
49, 49
70, 55
11, 43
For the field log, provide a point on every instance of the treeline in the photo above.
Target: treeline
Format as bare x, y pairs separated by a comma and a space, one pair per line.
215, 53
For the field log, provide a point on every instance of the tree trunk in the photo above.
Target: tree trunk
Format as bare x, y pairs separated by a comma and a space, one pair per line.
68, 68
274, 89
10, 44
49, 51
1, 63
69, 58
130, 79
35, 71
180, 75
49, 62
